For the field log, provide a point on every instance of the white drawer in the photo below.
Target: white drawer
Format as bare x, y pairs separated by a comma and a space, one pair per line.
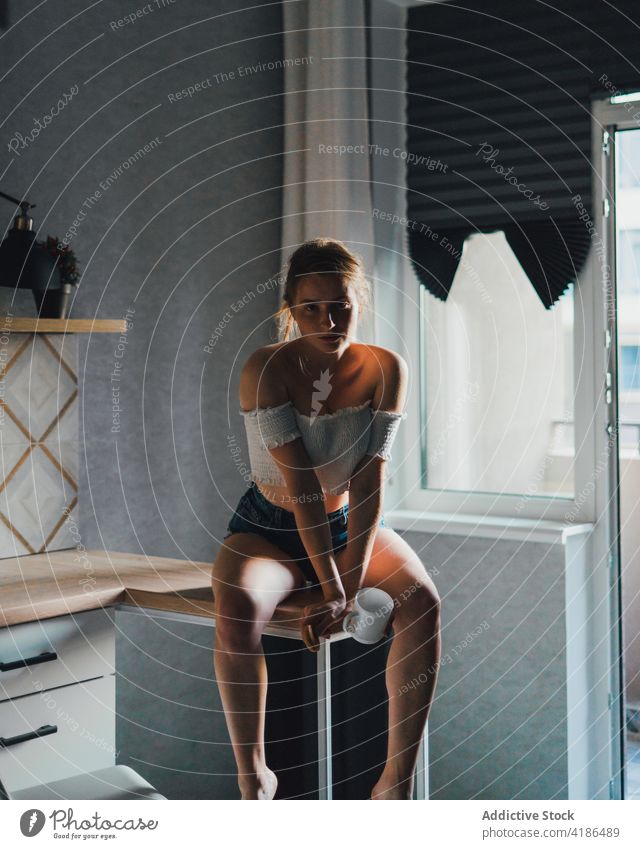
56, 651
84, 716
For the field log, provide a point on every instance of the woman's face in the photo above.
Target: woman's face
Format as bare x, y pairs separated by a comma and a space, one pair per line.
326, 311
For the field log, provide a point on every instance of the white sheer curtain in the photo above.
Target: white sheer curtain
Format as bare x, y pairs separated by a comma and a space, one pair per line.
327, 189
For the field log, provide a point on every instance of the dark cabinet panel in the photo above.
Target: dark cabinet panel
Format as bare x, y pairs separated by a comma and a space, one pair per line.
170, 723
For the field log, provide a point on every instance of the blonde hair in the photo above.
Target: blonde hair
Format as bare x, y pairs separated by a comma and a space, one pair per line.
320, 256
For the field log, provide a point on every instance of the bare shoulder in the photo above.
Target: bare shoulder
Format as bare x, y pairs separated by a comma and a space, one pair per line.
395, 360
384, 361
391, 374
377, 355
261, 383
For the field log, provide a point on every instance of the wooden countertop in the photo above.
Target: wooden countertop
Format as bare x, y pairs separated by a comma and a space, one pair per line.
40, 586
198, 601
22, 324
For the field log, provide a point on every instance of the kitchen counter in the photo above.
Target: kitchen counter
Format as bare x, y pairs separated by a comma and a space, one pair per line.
198, 601
41, 586
148, 665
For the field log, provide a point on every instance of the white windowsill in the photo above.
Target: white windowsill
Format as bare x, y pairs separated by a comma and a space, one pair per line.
492, 527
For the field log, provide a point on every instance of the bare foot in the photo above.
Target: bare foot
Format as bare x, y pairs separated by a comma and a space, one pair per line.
395, 791
261, 786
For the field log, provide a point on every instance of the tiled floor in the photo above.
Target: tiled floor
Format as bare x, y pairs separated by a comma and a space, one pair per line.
633, 767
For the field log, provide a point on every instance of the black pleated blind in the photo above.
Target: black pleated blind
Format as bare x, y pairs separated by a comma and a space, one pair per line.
614, 45
499, 131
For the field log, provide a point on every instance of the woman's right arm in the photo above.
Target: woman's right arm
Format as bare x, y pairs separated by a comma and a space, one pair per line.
261, 386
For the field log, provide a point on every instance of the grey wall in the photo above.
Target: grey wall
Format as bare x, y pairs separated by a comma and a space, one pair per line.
181, 234
498, 725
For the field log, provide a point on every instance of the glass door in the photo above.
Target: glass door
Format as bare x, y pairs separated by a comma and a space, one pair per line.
626, 179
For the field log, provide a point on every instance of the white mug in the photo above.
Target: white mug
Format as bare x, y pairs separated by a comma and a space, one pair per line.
371, 612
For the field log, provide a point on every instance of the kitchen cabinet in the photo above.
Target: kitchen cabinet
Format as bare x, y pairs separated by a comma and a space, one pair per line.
57, 733
170, 723
57, 697
54, 652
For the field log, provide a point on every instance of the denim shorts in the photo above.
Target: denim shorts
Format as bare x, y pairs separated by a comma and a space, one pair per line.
256, 514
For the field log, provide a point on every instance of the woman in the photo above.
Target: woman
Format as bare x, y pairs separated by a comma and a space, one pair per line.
321, 411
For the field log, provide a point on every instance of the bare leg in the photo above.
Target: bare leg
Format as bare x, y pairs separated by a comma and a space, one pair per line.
413, 662
248, 584
242, 681
412, 671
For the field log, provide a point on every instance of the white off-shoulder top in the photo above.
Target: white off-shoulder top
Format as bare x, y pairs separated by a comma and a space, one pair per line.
335, 442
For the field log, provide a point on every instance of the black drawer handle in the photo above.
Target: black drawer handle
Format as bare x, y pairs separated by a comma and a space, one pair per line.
44, 657
5, 742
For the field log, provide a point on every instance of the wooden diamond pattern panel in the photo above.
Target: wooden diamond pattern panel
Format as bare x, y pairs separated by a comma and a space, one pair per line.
38, 443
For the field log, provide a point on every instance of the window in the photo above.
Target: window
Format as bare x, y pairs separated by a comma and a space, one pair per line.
630, 368
497, 381
628, 289
629, 167
628, 260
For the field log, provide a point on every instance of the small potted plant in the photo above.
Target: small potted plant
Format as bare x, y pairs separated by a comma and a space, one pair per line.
54, 302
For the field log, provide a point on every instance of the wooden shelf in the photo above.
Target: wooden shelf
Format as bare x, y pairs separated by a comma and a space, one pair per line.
19, 324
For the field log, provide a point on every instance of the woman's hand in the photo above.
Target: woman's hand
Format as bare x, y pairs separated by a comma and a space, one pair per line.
320, 617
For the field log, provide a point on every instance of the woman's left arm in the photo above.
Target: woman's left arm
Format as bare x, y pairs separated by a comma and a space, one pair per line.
365, 509
366, 487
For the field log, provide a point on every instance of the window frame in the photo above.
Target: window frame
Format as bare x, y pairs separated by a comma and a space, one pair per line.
406, 299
